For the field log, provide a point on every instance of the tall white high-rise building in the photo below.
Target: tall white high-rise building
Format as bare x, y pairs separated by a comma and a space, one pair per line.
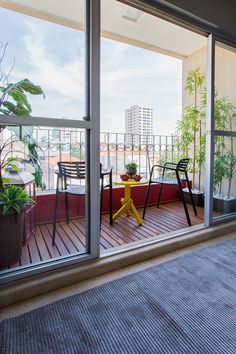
139, 121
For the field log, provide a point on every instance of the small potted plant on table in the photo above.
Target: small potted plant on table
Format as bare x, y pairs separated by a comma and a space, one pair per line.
131, 169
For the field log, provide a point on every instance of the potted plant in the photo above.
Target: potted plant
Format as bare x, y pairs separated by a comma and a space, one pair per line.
14, 101
13, 200
224, 157
191, 138
131, 169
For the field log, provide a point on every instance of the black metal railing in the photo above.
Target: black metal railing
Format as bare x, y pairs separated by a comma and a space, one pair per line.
116, 149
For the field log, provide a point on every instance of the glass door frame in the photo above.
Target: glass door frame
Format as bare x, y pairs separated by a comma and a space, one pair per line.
211, 133
91, 124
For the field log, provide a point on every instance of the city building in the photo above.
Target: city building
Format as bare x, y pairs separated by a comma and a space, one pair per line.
139, 121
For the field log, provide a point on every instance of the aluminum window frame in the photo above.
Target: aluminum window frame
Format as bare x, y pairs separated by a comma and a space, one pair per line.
211, 132
91, 125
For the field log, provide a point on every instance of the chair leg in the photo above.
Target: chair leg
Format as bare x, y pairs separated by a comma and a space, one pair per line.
183, 199
146, 199
110, 189
55, 219
67, 208
159, 195
191, 194
101, 200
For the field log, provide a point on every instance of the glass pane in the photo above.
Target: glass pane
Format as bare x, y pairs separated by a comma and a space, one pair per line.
224, 197
146, 108
49, 54
29, 159
225, 90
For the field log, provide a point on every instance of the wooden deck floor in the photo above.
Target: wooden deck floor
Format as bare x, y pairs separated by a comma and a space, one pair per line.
70, 238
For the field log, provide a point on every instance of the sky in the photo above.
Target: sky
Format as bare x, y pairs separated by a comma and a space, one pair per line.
52, 56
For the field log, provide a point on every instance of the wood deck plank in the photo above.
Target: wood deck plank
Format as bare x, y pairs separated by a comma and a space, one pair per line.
59, 246
66, 239
77, 232
125, 231
161, 218
117, 233
75, 240
33, 250
53, 251
25, 258
108, 232
71, 238
103, 243
43, 251
109, 239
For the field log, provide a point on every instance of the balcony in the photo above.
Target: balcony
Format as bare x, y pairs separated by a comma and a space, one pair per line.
70, 238
115, 151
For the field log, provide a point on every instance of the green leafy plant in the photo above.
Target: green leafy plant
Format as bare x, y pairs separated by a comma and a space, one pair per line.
14, 101
189, 127
14, 198
131, 168
224, 159
131, 165
192, 135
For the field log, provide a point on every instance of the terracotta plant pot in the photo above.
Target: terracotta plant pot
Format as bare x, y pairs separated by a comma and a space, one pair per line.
124, 177
137, 178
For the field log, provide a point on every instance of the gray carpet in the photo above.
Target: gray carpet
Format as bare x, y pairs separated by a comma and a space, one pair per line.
187, 305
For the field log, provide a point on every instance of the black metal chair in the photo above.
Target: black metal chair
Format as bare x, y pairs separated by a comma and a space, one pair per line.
76, 171
103, 174
178, 169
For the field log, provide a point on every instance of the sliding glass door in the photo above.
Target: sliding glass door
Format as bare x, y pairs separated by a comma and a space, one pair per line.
221, 133
60, 55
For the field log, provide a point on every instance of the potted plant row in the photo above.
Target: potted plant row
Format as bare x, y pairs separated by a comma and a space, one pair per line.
191, 130
13, 198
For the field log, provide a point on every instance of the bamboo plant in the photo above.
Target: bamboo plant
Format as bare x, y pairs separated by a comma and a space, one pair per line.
189, 127
192, 135
224, 160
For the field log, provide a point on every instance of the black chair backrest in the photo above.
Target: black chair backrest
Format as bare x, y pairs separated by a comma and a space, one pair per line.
72, 169
183, 164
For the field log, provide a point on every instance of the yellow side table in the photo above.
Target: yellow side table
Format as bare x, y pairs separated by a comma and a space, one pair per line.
127, 201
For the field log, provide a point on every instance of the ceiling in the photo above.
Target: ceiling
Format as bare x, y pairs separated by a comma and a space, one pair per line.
119, 22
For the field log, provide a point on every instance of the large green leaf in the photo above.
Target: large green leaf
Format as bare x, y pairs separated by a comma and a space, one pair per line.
19, 96
28, 86
18, 109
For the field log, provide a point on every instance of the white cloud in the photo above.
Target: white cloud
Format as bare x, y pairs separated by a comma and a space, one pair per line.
143, 77
129, 75
47, 70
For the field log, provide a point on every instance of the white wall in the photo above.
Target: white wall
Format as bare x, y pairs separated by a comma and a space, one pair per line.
225, 82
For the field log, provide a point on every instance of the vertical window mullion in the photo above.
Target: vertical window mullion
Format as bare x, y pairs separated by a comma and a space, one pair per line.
208, 208
94, 107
